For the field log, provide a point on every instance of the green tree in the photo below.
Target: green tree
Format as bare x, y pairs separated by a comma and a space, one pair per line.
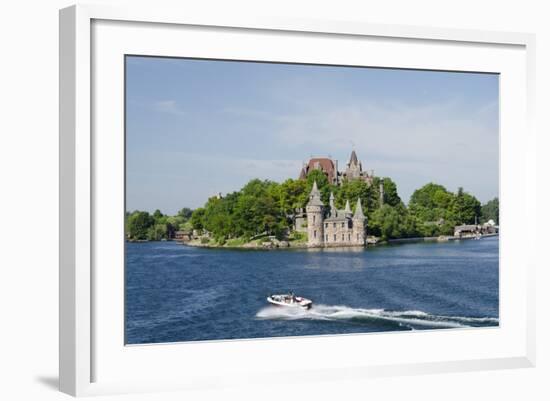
391, 197
432, 203
319, 177
217, 217
292, 194
197, 218
157, 215
185, 213
138, 224
156, 232
466, 208
257, 209
390, 222
490, 211
430, 195
352, 190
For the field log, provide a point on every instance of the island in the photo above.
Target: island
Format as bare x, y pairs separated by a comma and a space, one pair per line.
324, 207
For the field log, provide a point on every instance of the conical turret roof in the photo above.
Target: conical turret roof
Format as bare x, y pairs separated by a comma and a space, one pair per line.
348, 208
353, 158
358, 210
315, 196
314, 189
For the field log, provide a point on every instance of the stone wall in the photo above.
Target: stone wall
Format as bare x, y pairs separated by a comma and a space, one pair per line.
336, 235
301, 224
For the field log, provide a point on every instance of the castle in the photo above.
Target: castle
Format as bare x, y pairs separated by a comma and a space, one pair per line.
354, 169
333, 227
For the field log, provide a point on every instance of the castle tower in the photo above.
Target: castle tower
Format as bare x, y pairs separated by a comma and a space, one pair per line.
359, 225
354, 167
315, 212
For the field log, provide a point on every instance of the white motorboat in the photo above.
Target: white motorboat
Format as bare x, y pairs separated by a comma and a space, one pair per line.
290, 300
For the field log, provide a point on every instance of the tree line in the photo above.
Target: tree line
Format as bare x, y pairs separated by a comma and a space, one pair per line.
264, 207
141, 226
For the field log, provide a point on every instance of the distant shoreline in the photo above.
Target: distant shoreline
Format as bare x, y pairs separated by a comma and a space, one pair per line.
273, 245
440, 238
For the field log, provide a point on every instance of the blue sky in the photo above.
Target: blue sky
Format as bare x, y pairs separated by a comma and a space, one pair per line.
198, 127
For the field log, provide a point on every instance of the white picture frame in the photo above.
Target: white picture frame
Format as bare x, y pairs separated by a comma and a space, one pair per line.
92, 39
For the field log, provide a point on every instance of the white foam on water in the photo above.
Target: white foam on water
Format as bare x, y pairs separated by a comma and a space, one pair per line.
466, 319
411, 318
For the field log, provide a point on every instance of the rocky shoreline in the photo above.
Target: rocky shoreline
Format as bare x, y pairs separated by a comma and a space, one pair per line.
283, 244
270, 244
290, 244
276, 244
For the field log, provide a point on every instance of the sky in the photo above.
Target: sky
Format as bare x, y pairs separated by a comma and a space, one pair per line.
198, 127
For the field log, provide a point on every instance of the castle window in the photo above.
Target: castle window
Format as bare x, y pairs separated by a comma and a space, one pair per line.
333, 225
334, 237
326, 237
314, 233
342, 237
357, 237
342, 224
326, 225
314, 218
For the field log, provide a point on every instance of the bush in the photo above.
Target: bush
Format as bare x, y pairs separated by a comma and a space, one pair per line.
236, 242
298, 237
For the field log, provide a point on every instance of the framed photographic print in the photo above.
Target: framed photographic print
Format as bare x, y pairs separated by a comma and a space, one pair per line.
275, 198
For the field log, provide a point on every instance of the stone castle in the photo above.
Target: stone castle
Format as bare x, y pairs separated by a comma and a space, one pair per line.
329, 166
329, 226
333, 227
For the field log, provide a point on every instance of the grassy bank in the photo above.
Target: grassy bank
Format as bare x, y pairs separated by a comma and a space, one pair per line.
295, 240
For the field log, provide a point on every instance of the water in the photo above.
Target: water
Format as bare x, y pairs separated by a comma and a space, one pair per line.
179, 293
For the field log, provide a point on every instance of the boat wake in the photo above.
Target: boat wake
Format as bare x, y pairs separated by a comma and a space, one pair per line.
412, 319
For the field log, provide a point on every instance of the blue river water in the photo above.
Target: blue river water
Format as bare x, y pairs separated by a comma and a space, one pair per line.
179, 293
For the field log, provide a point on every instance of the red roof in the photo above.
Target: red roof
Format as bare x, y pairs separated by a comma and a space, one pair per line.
325, 164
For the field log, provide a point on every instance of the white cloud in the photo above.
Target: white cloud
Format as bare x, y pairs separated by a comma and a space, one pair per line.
396, 133
410, 143
169, 106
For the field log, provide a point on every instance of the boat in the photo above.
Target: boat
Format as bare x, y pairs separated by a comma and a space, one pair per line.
290, 300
